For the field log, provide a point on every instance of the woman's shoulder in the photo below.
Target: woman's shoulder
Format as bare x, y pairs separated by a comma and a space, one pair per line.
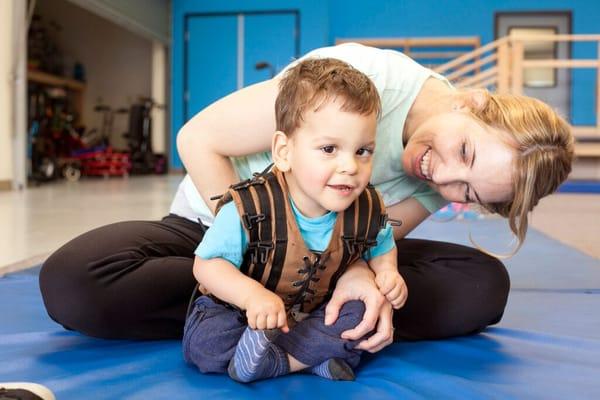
390, 70
359, 55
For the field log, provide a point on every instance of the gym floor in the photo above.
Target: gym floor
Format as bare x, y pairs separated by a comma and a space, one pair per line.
546, 346
40, 219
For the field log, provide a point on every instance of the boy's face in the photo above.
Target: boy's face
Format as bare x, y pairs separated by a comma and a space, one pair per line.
328, 160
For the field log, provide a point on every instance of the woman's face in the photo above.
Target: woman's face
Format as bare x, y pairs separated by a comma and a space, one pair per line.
461, 158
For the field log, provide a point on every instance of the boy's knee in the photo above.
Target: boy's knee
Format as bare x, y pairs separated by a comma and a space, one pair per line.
351, 314
210, 336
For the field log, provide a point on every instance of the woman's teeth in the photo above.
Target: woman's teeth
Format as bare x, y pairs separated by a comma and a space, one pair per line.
425, 162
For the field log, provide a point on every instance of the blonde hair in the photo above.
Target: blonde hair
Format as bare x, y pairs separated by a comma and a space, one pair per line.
313, 81
545, 152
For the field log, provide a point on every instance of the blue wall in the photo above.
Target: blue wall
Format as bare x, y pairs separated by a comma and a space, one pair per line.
324, 21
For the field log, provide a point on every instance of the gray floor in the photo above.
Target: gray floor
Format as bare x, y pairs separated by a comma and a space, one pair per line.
40, 219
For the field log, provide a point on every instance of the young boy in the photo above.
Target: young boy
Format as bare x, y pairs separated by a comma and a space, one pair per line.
276, 251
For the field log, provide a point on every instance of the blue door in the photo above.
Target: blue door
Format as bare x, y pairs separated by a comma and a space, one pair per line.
270, 41
210, 62
223, 50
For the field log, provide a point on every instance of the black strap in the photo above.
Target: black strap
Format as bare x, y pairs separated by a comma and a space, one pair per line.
378, 218
250, 219
281, 234
363, 222
264, 246
348, 238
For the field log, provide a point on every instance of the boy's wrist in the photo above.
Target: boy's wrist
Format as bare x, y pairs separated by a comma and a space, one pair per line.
251, 294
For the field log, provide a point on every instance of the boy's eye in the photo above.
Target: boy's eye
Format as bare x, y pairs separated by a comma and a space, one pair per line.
364, 152
328, 149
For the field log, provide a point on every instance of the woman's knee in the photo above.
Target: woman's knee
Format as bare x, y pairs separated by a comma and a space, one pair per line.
74, 298
457, 292
493, 284
59, 286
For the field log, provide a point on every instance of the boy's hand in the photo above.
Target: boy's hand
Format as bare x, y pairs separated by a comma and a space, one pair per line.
393, 287
265, 310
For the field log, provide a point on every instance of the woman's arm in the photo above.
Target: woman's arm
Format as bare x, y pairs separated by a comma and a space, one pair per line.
410, 212
240, 124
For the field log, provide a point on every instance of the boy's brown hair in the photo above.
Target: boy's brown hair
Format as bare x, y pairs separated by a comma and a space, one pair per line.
314, 81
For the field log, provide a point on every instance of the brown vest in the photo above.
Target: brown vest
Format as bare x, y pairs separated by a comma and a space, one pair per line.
277, 256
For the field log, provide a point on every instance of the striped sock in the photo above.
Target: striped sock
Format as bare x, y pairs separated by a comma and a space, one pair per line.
256, 357
335, 369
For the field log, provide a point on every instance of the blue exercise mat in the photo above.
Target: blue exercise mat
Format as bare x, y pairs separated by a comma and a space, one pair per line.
547, 346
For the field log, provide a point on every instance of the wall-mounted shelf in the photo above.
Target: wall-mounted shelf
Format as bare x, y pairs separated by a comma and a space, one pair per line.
76, 89
54, 80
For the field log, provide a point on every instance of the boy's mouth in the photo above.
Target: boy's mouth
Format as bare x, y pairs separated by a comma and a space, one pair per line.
343, 189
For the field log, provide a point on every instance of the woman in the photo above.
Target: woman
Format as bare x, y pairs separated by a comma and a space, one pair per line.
434, 145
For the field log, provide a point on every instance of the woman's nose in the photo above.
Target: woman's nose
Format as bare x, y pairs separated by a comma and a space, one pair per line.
445, 174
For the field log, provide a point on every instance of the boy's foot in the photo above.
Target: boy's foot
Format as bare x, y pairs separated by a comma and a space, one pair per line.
256, 357
25, 391
335, 369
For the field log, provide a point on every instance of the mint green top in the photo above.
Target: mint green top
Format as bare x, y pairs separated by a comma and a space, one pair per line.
398, 80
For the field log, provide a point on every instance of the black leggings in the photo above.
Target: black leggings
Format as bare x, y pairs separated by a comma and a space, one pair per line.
133, 280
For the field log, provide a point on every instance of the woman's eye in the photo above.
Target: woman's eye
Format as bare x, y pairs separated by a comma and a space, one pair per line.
328, 149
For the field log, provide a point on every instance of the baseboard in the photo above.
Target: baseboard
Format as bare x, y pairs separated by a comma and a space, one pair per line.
24, 264
5, 185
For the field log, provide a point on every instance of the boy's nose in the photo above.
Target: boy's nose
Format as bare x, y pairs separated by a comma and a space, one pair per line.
347, 165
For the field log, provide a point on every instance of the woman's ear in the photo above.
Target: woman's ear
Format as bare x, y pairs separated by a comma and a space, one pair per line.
471, 100
477, 99
280, 150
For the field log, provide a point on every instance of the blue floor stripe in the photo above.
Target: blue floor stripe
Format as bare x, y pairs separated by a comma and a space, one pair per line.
580, 187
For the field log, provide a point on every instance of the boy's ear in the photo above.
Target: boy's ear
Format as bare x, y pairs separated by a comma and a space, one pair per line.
280, 150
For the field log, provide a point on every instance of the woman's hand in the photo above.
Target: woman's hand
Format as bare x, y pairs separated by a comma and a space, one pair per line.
358, 283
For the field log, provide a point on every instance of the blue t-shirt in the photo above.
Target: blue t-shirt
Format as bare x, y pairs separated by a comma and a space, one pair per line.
227, 239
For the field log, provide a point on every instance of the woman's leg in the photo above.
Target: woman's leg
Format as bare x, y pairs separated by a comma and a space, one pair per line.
126, 280
452, 290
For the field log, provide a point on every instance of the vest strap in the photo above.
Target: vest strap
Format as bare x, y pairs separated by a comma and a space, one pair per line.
348, 237
249, 211
281, 233
262, 248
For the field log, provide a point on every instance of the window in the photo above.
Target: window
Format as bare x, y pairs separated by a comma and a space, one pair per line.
538, 77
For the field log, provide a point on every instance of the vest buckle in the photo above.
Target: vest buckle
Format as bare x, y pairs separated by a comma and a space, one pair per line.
370, 242
354, 245
250, 219
349, 242
383, 219
256, 180
260, 251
